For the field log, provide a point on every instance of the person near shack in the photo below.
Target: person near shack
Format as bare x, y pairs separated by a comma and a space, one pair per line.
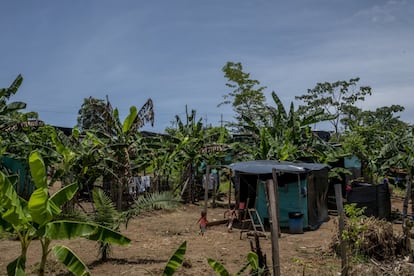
231, 215
348, 189
202, 222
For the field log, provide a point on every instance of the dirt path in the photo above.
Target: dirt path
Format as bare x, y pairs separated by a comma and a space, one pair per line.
157, 235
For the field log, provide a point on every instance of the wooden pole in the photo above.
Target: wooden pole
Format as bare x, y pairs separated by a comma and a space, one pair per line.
206, 189
276, 184
271, 187
230, 190
341, 214
214, 191
185, 186
406, 229
407, 197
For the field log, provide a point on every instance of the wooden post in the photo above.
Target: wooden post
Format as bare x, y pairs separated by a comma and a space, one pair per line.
276, 185
406, 198
206, 189
406, 229
120, 191
230, 185
271, 187
341, 214
185, 186
214, 191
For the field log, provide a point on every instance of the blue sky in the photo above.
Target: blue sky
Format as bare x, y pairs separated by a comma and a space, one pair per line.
173, 52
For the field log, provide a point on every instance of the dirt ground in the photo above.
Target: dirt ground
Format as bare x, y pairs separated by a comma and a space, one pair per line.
157, 235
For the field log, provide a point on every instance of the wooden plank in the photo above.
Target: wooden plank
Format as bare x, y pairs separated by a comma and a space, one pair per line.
217, 222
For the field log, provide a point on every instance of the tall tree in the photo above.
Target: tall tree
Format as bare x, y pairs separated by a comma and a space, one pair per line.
369, 132
334, 98
247, 98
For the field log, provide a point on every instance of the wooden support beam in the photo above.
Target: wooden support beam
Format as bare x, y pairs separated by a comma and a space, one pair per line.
343, 244
272, 194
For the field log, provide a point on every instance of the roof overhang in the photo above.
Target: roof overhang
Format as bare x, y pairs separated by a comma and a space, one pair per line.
267, 166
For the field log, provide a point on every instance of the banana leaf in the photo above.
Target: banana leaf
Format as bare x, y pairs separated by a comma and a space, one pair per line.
13, 107
38, 170
17, 267
64, 195
71, 229
253, 260
129, 120
70, 260
218, 267
176, 260
41, 208
11, 204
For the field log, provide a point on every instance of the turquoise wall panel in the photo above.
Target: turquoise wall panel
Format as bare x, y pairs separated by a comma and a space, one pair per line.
291, 199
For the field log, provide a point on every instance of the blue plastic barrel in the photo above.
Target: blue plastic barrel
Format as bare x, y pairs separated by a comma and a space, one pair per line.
295, 222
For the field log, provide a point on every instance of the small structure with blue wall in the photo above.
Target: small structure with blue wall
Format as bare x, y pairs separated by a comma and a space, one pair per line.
24, 185
302, 188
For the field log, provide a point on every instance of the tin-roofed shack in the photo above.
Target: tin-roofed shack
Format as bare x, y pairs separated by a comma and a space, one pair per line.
302, 187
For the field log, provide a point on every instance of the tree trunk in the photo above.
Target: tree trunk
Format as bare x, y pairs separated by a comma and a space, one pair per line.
45, 252
119, 196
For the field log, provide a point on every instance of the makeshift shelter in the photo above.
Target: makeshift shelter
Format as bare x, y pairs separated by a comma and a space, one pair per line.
302, 187
24, 185
375, 198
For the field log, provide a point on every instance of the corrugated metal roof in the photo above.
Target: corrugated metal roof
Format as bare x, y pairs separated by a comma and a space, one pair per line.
266, 166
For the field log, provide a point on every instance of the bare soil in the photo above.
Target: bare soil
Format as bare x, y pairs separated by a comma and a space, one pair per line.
155, 236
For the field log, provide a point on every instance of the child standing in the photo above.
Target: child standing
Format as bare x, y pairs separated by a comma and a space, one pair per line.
202, 222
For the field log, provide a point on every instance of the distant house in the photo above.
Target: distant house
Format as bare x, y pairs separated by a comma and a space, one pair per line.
66, 130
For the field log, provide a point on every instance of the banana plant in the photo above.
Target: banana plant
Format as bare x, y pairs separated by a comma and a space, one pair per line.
121, 139
284, 135
252, 262
38, 219
10, 113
